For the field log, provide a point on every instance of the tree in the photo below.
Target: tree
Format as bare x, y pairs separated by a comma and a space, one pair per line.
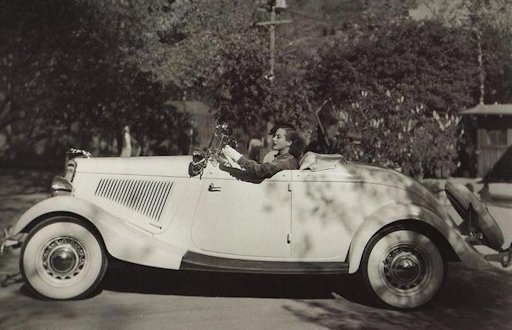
244, 95
398, 90
34, 84
172, 40
489, 23
63, 73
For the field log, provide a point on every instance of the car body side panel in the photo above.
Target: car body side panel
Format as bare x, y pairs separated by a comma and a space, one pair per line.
144, 191
328, 206
413, 212
326, 213
122, 240
243, 218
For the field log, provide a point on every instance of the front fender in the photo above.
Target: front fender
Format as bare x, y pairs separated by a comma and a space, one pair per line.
412, 212
122, 240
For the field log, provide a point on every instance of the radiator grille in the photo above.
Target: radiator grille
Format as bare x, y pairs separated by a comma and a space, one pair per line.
147, 197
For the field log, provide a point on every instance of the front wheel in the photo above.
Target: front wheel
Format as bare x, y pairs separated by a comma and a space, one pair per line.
403, 268
63, 259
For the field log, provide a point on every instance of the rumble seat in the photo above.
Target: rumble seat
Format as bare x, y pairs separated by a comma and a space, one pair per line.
319, 162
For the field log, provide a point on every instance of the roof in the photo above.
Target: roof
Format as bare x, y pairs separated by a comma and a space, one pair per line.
489, 109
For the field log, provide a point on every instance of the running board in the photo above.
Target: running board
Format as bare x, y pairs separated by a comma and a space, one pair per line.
200, 262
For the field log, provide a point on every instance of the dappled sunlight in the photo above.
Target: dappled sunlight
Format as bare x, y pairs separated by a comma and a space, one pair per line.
243, 217
469, 300
268, 187
329, 206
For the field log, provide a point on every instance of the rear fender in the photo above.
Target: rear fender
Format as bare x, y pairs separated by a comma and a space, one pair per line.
413, 214
122, 240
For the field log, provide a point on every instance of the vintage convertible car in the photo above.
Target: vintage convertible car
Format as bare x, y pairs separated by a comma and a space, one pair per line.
194, 213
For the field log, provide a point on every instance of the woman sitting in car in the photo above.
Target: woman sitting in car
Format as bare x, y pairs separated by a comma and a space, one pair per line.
288, 144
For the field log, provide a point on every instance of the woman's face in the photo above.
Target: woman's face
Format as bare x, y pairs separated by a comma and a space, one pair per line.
279, 141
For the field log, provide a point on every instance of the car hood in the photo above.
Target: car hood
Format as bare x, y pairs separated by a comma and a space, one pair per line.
176, 166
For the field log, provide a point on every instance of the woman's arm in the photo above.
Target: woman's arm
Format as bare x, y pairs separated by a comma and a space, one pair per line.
261, 171
267, 170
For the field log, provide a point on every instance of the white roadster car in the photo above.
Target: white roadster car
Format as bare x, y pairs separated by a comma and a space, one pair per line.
193, 213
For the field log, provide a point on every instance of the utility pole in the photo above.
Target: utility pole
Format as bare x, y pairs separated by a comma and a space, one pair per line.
272, 41
274, 7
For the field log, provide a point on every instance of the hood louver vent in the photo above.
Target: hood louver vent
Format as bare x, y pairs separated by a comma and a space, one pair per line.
146, 197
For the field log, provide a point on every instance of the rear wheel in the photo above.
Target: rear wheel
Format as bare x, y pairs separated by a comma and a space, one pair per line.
63, 259
403, 268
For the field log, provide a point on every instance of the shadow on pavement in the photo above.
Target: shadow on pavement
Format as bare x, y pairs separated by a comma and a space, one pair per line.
470, 299
140, 279
27, 292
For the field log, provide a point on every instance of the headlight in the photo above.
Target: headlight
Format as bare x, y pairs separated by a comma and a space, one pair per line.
61, 186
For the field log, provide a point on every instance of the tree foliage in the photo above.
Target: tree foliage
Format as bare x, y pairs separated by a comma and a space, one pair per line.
86, 68
64, 74
247, 97
489, 27
398, 91
172, 40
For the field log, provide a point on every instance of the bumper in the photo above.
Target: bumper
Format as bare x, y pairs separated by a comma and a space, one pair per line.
501, 260
9, 241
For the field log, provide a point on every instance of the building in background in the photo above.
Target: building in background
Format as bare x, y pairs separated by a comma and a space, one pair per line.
493, 137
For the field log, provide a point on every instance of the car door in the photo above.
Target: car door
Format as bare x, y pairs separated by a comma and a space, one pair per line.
237, 217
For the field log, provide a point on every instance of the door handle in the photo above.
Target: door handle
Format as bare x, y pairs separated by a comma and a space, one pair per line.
214, 188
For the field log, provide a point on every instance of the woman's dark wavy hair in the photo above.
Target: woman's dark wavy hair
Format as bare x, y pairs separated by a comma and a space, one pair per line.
291, 134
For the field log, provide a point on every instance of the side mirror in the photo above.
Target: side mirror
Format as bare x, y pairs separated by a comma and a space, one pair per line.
197, 164
194, 169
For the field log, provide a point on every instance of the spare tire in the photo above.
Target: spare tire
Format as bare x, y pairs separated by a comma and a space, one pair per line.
462, 200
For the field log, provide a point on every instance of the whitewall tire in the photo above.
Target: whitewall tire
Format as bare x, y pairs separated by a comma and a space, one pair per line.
403, 268
63, 259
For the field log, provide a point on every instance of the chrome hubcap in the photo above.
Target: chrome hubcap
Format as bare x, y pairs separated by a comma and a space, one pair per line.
63, 257
404, 268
